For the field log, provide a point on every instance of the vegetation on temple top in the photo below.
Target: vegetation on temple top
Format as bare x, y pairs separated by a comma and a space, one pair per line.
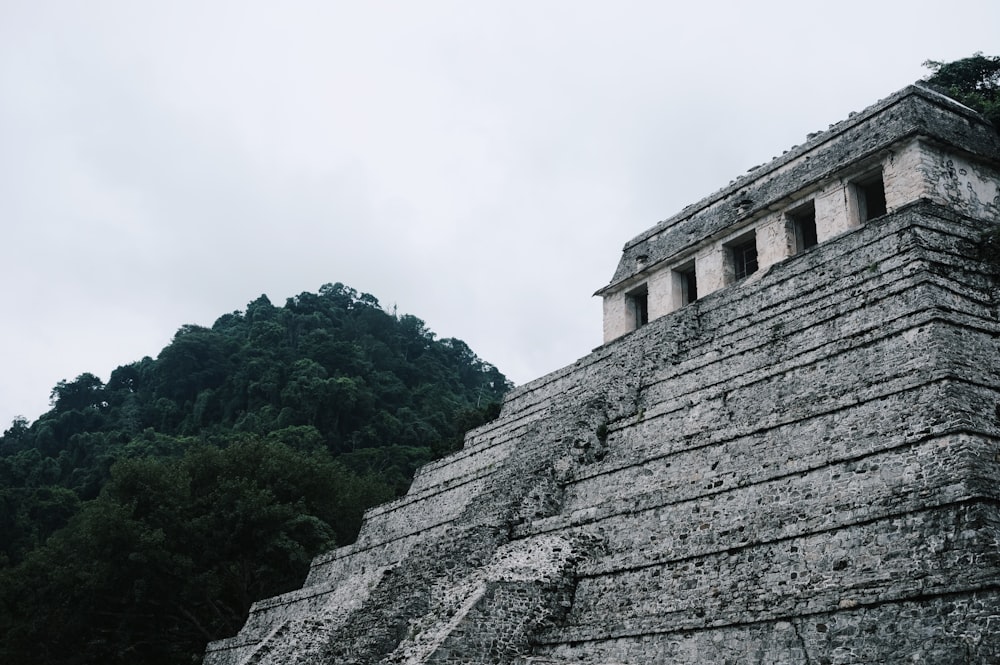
973, 81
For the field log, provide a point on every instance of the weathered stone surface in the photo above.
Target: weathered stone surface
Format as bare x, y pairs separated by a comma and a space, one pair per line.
801, 467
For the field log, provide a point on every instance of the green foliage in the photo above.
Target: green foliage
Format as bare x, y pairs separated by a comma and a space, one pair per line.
141, 518
175, 550
973, 81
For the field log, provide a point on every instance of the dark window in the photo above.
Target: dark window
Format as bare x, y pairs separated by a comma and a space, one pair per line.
638, 303
870, 192
804, 226
688, 283
744, 257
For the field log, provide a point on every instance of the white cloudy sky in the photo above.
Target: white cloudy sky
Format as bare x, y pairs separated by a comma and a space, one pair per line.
476, 163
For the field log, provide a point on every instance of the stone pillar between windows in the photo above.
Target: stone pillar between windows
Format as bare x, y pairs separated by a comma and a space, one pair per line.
661, 293
710, 269
616, 316
904, 175
833, 211
775, 241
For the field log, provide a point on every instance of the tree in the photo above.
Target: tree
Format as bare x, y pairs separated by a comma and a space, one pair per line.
14, 438
174, 551
196, 359
85, 391
973, 81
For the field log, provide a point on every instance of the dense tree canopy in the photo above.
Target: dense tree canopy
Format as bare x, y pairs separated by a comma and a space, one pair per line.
141, 517
974, 81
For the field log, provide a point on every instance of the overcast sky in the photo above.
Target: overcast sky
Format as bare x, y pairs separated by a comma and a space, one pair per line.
477, 164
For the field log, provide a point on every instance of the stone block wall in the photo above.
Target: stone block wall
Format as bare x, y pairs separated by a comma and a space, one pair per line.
799, 468
895, 148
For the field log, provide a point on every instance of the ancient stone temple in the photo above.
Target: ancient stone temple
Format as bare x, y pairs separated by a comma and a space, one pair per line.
786, 451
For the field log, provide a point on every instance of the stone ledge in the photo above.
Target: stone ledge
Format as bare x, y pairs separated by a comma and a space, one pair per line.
985, 596
800, 576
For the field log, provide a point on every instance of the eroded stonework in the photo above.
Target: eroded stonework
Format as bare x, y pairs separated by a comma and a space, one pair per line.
798, 467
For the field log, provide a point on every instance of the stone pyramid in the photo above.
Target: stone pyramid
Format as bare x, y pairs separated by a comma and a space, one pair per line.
786, 450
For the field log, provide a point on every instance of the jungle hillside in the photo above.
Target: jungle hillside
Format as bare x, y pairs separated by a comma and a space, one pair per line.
142, 516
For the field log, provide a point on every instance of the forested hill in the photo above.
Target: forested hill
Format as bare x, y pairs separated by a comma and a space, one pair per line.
141, 517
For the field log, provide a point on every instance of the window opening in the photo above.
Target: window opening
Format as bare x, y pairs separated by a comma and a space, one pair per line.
804, 226
638, 302
743, 254
688, 284
870, 192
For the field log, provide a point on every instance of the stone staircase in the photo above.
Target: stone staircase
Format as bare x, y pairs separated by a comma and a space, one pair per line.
801, 468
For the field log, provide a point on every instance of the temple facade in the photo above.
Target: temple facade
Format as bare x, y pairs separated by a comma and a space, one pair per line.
899, 151
787, 451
